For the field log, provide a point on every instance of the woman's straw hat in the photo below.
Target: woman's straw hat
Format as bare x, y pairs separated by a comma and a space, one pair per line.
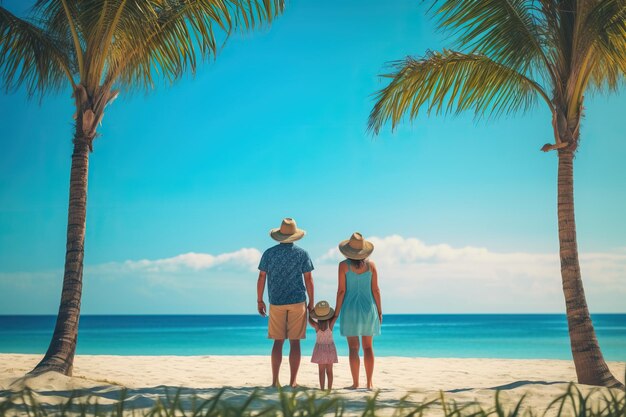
356, 247
322, 311
287, 232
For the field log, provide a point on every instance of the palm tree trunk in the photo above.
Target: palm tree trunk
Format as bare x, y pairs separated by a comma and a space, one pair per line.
60, 354
590, 366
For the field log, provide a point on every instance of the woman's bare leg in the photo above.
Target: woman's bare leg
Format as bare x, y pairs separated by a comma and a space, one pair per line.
355, 362
368, 358
329, 374
321, 369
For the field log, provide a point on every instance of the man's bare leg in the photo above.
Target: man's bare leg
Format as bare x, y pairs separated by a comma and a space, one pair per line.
294, 361
277, 358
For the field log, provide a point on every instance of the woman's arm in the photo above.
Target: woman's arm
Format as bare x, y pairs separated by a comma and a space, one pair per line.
331, 322
376, 291
341, 288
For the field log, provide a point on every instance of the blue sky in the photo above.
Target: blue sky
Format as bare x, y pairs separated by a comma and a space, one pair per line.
276, 127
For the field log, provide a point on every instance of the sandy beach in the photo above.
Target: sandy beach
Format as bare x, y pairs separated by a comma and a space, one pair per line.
148, 377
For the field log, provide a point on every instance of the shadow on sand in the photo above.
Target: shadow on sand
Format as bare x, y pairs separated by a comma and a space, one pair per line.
512, 385
108, 397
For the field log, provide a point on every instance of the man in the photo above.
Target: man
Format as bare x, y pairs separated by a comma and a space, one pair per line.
283, 266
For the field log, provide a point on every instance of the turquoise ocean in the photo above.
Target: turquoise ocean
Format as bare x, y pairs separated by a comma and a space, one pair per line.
446, 335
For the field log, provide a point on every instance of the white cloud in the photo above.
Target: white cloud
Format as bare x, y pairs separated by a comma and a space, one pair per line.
409, 256
246, 258
415, 277
396, 249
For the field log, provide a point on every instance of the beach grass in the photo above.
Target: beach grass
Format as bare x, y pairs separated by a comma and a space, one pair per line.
300, 403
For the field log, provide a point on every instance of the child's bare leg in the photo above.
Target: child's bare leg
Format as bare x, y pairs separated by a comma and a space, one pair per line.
355, 362
329, 374
368, 358
322, 373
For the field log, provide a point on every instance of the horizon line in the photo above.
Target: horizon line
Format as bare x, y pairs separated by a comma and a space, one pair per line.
256, 314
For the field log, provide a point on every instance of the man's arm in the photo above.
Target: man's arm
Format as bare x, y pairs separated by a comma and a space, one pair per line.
308, 283
313, 323
260, 287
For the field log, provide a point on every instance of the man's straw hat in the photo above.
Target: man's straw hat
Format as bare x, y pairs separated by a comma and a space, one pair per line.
356, 247
322, 311
287, 232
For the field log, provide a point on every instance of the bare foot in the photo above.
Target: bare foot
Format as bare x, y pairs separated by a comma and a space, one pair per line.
275, 384
352, 387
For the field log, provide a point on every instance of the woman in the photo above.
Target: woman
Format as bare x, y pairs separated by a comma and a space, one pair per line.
358, 304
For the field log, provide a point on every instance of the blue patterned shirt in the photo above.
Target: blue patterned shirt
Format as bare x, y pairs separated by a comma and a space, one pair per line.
284, 264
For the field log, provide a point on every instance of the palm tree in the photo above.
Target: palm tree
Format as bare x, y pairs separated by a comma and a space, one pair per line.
95, 47
507, 55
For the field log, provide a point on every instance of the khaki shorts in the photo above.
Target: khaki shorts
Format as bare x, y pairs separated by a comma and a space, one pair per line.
287, 321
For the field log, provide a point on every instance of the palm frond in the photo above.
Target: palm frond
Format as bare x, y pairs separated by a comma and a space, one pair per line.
104, 17
449, 81
169, 38
128, 42
512, 32
605, 26
31, 57
64, 20
248, 14
604, 74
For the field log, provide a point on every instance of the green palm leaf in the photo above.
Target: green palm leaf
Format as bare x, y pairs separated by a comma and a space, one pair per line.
31, 56
170, 39
519, 50
128, 42
511, 32
449, 81
65, 20
99, 44
605, 26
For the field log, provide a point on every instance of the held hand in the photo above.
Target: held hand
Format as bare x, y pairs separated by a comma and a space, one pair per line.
261, 308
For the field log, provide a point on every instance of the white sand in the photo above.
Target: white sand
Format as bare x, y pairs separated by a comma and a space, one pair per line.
147, 377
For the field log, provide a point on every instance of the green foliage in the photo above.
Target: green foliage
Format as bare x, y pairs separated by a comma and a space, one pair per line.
505, 54
301, 403
449, 81
124, 43
510, 30
30, 56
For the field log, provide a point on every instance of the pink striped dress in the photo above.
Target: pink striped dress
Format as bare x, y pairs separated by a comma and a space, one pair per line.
324, 351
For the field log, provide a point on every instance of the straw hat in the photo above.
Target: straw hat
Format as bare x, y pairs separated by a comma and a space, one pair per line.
287, 232
322, 311
356, 247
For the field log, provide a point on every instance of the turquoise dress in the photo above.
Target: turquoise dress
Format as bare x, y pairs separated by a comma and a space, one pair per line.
359, 314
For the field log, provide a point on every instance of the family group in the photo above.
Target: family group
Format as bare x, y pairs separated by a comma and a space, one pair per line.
287, 270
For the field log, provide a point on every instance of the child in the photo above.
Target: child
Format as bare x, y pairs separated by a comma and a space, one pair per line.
324, 352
